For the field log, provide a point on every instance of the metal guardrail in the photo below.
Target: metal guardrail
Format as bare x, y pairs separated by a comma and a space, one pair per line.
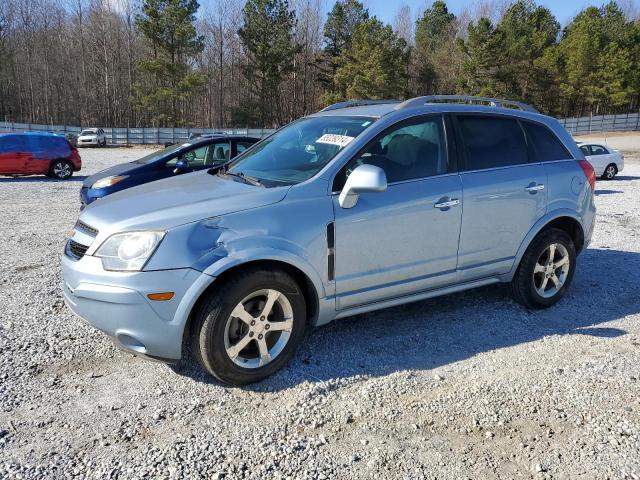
625, 122
137, 136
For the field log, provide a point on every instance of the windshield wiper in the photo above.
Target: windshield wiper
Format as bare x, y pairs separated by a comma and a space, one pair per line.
245, 178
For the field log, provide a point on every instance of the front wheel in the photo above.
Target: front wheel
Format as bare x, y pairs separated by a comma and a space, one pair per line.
610, 172
546, 270
61, 169
250, 326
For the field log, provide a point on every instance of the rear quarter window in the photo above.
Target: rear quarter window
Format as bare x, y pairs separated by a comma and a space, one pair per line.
491, 141
545, 146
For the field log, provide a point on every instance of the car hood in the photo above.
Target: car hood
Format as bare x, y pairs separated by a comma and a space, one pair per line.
176, 201
123, 168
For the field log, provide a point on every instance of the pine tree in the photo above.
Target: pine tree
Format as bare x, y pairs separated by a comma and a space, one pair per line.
374, 66
168, 79
268, 40
436, 54
528, 31
341, 23
484, 55
598, 57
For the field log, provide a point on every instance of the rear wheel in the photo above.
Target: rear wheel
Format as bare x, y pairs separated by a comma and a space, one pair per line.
546, 270
61, 169
610, 172
250, 326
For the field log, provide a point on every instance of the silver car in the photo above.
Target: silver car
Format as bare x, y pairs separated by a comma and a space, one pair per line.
358, 207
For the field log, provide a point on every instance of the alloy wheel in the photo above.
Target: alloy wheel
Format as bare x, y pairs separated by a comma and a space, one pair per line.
610, 172
551, 270
62, 170
258, 328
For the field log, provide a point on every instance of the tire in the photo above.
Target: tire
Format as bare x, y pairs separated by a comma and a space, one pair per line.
61, 169
528, 286
215, 331
610, 172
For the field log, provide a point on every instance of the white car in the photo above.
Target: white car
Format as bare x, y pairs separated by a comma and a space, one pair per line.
606, 161
92, 137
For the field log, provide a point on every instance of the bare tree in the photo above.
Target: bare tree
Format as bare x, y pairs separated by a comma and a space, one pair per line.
403, 24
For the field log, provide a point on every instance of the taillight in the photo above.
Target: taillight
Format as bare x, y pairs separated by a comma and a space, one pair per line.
587, 168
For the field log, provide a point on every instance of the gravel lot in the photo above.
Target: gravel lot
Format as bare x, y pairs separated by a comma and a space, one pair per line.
465, 386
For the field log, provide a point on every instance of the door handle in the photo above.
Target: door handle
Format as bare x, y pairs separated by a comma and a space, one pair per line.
533, 188
444, 203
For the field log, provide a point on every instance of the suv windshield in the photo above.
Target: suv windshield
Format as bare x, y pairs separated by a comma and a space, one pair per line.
300, 150
88, 132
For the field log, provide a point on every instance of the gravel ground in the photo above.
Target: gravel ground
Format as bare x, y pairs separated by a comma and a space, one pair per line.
465, 386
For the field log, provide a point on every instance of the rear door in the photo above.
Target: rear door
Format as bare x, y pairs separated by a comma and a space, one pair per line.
44, 150
503, 193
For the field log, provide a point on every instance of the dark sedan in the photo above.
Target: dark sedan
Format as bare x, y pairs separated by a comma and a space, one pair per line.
194, 155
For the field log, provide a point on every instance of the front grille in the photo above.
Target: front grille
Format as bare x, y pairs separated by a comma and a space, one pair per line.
83, 227
76, 250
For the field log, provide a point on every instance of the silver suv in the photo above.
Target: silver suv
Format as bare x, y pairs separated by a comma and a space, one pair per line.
358, 207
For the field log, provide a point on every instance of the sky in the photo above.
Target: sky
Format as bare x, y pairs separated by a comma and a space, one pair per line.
564, 10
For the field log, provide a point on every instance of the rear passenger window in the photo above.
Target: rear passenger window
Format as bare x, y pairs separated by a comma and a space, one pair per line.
242, 146
545, 144
50, 146
491, 142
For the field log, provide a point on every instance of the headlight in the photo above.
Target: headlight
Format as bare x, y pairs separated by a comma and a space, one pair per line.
108, 181
128, 251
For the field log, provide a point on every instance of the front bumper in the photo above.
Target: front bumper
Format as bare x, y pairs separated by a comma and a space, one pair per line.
116, 303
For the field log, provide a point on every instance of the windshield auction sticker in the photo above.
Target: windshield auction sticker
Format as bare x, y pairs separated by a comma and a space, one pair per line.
333, 139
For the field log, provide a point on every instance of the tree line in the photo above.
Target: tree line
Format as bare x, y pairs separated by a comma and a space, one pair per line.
263, 63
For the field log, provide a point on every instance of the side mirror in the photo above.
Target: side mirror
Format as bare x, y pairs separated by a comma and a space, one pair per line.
181, 164
365, 178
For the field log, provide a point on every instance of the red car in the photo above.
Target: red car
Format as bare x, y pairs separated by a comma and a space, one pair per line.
34, 153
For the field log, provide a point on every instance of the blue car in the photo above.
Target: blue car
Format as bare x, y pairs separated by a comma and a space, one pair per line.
198, 154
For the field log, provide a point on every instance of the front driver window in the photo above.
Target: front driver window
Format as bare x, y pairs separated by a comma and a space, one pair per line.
410, 150
598, 150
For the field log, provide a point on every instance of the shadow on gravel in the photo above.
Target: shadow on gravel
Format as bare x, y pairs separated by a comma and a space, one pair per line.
625, 177
41, 179
434, 333
607, 192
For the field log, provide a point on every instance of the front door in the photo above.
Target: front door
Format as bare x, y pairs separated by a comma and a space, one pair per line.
403, 240
13, 154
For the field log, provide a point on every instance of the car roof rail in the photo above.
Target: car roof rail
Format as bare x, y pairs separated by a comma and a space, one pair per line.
357, 103
492, 102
